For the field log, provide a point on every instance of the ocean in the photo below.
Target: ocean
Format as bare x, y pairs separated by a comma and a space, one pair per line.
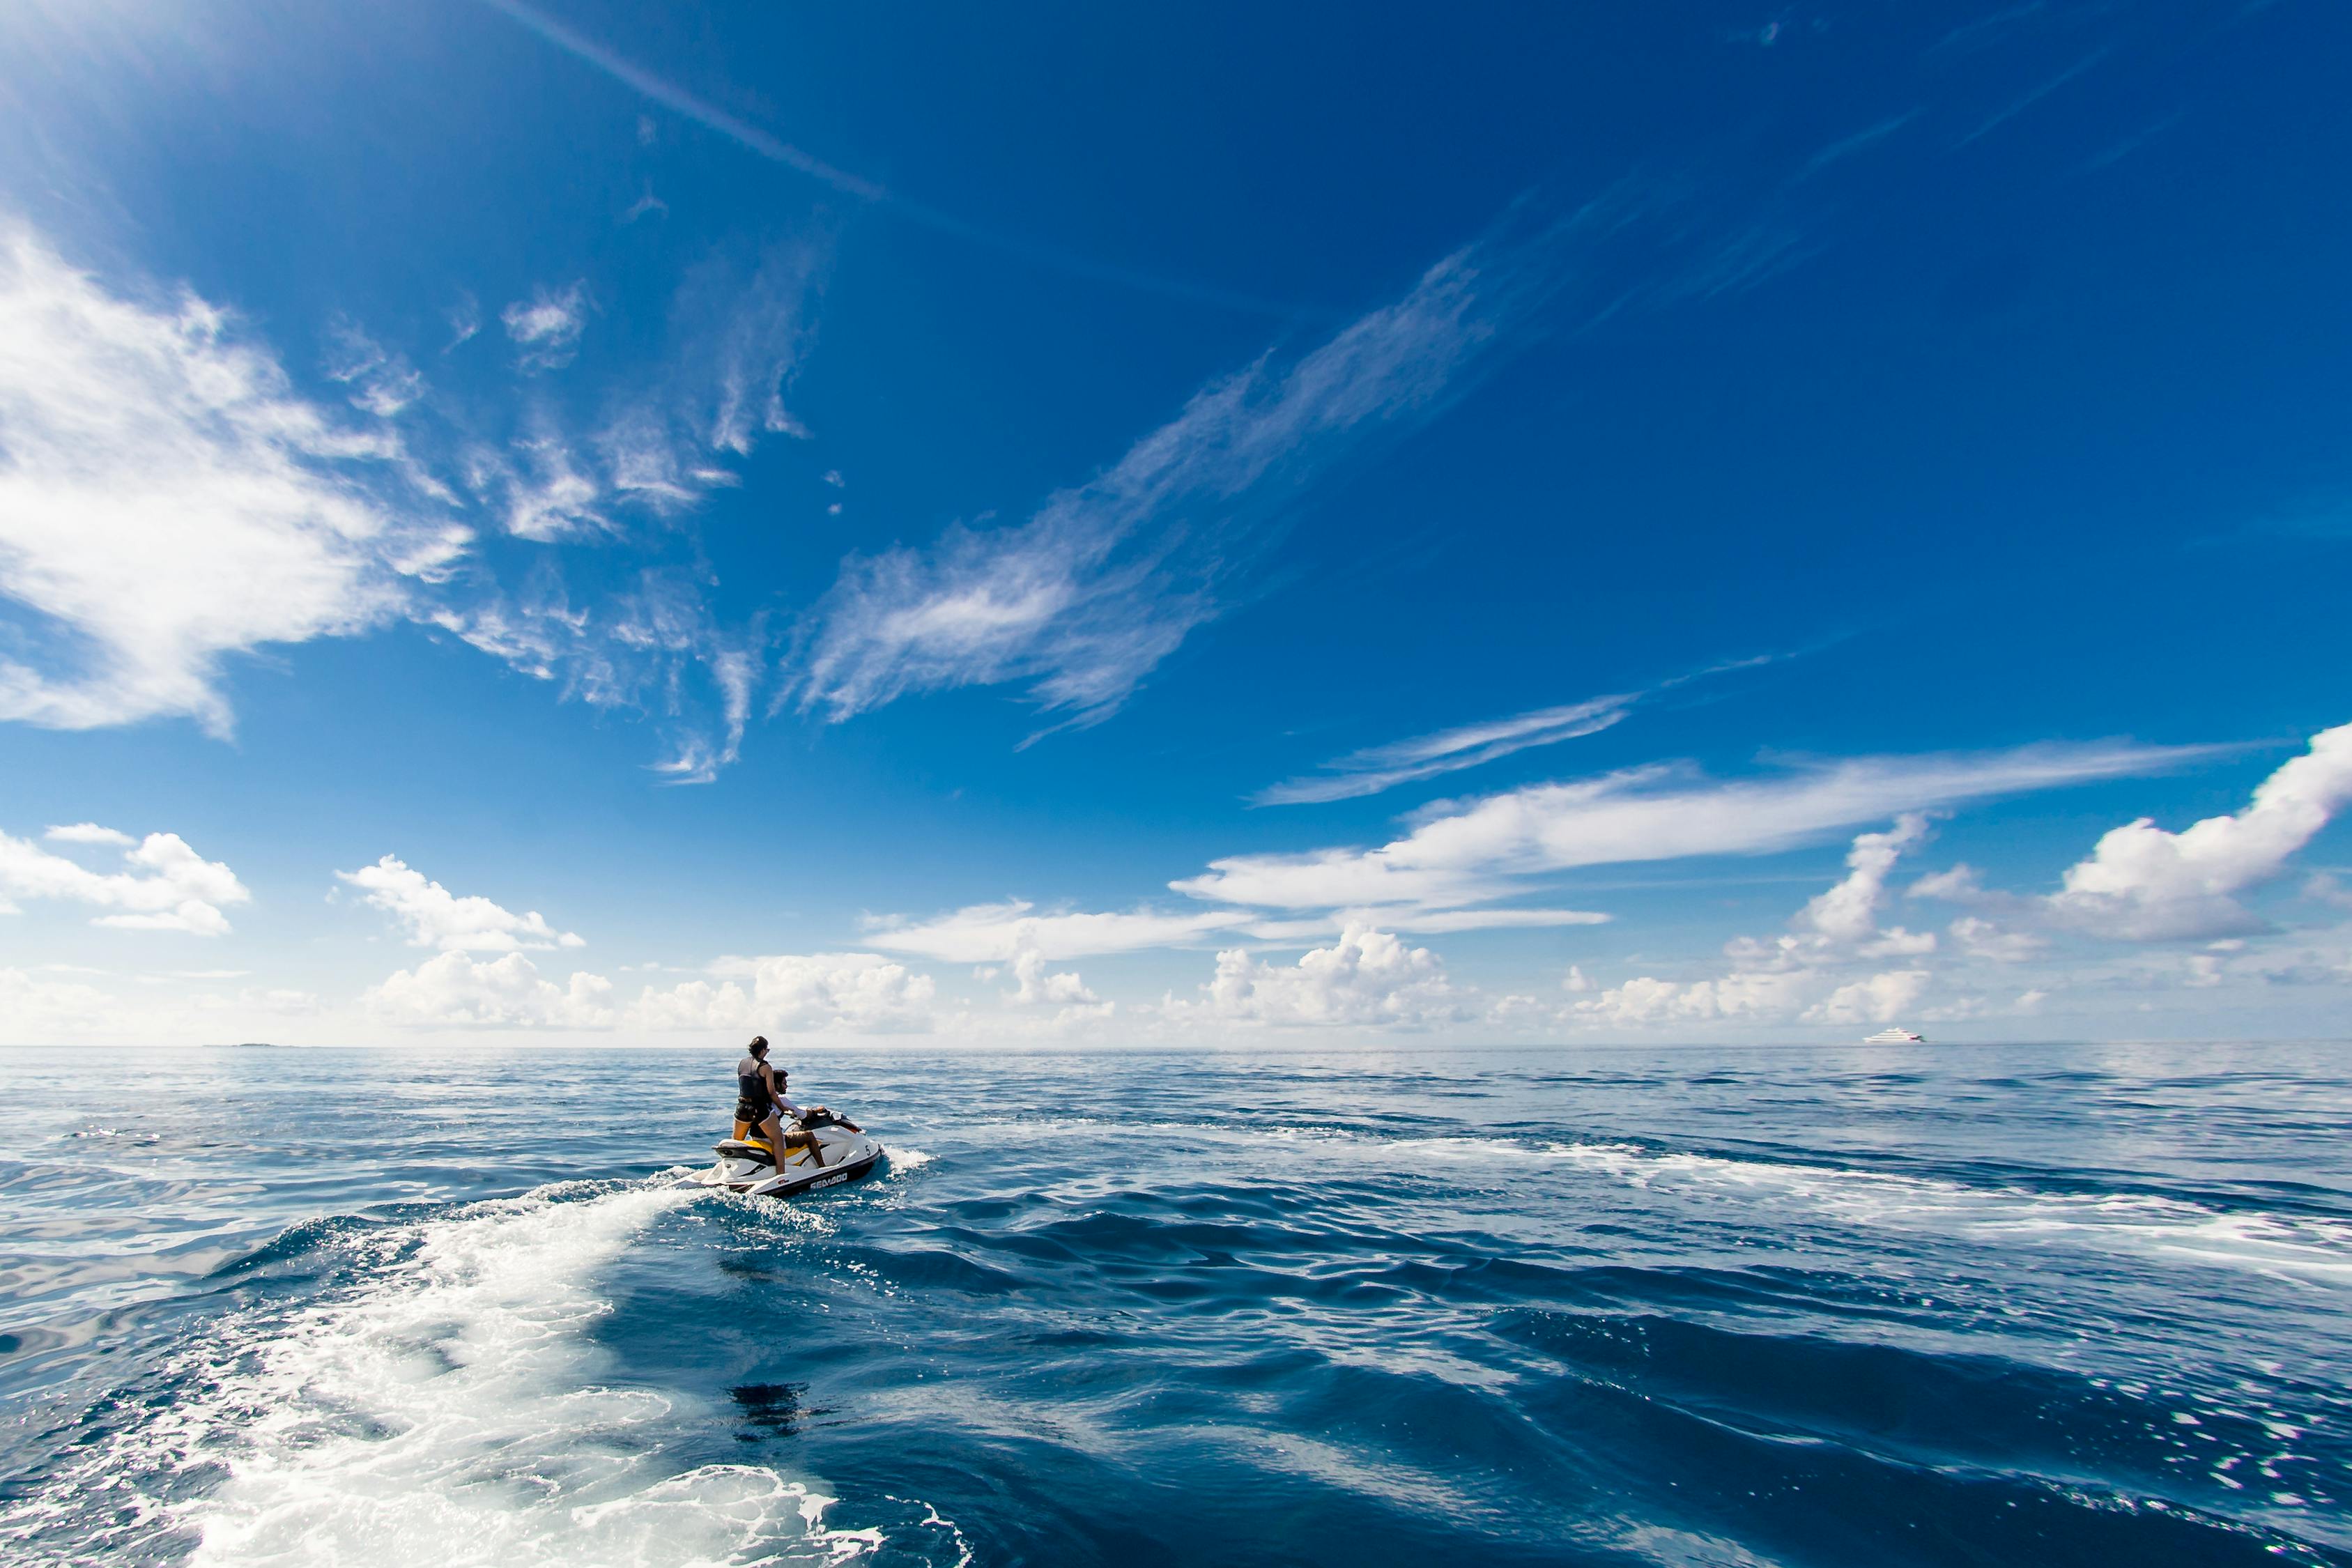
1853, 1307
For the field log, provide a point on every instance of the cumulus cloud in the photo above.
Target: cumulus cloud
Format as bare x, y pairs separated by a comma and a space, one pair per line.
435, 917
1982, 938
165, 886
166, 501
1848, 912
1036, 988
1464, 853
2144, 884
1799, 974
1755, 996
1087, 595
1758, 997
454, 991
546, 327
1880, 999
853, 993
1366, 977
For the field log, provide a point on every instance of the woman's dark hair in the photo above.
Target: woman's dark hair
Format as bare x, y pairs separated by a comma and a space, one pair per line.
759, 1046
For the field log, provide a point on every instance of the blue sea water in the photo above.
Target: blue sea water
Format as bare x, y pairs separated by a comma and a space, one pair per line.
1866, 1305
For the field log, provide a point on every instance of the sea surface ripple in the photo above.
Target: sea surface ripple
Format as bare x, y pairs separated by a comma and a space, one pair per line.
1845, 1307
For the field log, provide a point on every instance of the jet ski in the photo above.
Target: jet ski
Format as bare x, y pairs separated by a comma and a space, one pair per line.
749, 1165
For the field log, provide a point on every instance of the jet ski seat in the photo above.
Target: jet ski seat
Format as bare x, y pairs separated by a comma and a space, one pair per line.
757, 1149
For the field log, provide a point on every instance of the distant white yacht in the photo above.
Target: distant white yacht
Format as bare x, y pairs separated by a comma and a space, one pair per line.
1896, 1038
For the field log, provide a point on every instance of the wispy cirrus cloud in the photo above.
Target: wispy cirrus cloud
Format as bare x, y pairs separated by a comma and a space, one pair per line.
170, 500
651, 645
1384, 767
1000, 934
1104, 581
1012, 930
1378, 768
545, 329
1460, 856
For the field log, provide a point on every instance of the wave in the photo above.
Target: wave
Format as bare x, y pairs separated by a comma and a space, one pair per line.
450, 1408
2307, 1247
2311, 1248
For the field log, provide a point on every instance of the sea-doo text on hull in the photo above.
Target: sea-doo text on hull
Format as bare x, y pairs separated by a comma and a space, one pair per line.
749, 1165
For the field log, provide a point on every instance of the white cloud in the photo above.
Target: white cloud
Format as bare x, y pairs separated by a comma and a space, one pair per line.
2322, 886
34, 1011
455, 991
857, 993
2143, 884
1035, 987
853, 993
382, 380
435, 917
88, 832
1959, 884
654, 647
1000, 934
1378, 768
464, 319
1366, 977
1848, 912
1761, 995
165, 500
1003, 933
1466, 854
1880, 999
1797, 976
1756, 997
167, 885
546, 327
1982, 938
540, 487
1081, 601
1445, 922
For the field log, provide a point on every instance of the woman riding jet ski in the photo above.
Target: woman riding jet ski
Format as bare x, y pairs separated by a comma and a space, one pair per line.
781, 1149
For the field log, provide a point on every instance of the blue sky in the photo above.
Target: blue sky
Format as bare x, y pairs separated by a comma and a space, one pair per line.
1079, 526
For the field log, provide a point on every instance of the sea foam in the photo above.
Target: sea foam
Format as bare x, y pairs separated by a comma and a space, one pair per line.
453, 1409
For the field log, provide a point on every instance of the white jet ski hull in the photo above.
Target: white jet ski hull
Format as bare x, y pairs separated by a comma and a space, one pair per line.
843, 1157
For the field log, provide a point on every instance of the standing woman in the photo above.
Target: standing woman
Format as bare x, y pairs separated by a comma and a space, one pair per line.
755, 1095
760, 1103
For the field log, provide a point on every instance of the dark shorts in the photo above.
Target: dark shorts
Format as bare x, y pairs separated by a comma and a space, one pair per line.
755, 1114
